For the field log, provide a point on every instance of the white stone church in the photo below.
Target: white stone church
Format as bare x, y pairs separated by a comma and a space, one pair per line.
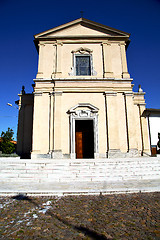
82, 105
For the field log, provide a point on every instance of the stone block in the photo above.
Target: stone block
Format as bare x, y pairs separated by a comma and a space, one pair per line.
13, 171
35, 156
153, 176
8, 175
131, 177
114, 153
49, 180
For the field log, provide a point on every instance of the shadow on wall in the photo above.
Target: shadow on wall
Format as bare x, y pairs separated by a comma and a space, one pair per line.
25, 125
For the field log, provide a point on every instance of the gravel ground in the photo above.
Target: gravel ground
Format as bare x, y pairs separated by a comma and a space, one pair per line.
121, 216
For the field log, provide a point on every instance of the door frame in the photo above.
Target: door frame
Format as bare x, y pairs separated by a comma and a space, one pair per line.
90, 114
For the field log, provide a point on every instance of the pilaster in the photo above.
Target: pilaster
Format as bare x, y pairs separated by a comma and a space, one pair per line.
40, 61
53, 75
40, 124
125, 73
144, 131
107, 60
51, 122
36, 124
122, 122
57, 128
130, 122
113, 147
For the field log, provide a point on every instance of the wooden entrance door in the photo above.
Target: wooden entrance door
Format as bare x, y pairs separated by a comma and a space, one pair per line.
79, 145
84, 139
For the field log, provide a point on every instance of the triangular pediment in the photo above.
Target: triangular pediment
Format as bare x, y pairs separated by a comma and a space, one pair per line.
81, 27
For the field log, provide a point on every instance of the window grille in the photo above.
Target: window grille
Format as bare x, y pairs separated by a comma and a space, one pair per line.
83, 65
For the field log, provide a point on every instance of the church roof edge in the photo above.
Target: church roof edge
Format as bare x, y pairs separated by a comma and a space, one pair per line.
81, 20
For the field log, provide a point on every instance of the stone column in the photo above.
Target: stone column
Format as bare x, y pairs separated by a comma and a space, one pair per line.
40, 61
125, 73
57, 134
107, 60
112, 125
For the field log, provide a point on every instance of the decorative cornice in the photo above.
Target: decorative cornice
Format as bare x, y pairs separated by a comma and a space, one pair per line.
139, 93
37, 93
82, 50
79, 78
90, 106
42, 79
140, 104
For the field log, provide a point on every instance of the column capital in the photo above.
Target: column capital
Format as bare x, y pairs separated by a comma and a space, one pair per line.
41, 44
141, 104
57, 93
128, 94
106, 43
122, 44
37, 93
59, 43
110, 93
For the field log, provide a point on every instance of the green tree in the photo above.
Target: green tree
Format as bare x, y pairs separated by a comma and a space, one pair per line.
5, 145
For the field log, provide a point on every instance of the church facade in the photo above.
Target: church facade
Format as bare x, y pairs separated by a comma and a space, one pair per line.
82, 105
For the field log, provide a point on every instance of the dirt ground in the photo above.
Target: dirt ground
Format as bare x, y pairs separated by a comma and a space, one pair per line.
101, 217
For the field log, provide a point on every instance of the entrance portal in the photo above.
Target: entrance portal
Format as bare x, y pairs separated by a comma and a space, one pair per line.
84, 139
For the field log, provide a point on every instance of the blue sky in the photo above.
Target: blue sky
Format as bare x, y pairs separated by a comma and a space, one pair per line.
20, 20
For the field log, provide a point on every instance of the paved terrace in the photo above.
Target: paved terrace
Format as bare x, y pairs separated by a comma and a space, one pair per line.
79, 176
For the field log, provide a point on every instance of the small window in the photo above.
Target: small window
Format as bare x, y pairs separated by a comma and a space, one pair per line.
83, 65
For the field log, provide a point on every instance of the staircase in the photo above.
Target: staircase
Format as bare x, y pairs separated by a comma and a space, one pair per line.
78, 172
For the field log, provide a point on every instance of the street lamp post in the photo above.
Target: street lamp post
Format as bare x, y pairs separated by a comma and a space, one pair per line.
9, 104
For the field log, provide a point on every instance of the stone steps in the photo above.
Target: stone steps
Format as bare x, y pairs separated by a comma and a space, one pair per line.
70, 170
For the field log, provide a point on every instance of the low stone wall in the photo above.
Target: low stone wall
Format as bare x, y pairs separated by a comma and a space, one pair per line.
89, 170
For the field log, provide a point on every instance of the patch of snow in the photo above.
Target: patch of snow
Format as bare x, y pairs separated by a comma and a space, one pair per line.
35, 216
47, 203
45, 209
19, 221
28, 223
30, 211
6, 203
